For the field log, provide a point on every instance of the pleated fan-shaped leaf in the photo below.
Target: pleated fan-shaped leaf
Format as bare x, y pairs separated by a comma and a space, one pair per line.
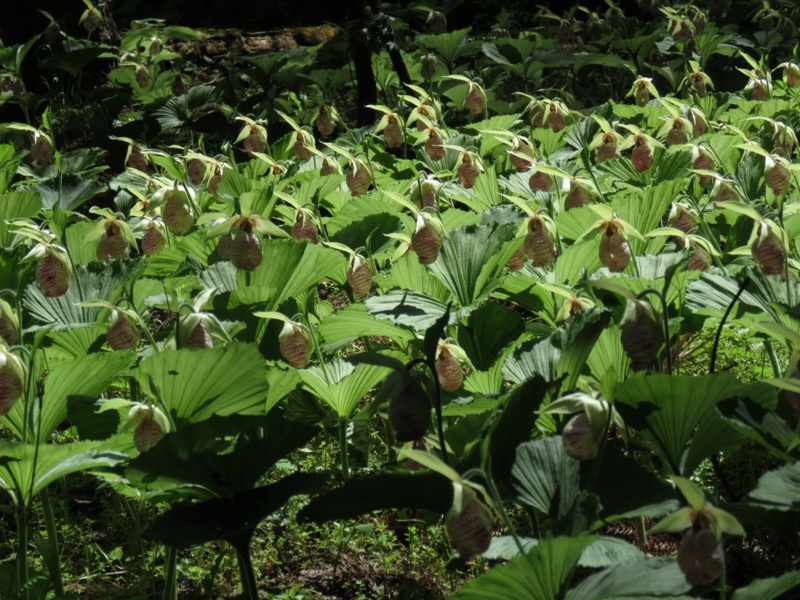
564, 352
354, 321
472, 259
288, 270
759, 420
656, 578
218, 457
425, 491
232, 518
408, 274
489, 330
670, 408
96, 282
19, 204
779, 488
541, 575
85, 376
25, 469
341, 385
604, 551
412, 309
446, 45
544, 474
197, 384
770, 588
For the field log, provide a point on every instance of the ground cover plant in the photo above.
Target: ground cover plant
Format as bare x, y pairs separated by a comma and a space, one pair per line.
528, 329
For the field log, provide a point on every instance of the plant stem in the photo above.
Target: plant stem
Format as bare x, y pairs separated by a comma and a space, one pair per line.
318, 352
343, 448
773, 358
52, 536
712, 367
249, 585
641, 530
439, 419
171, 575
22, 548
501, 510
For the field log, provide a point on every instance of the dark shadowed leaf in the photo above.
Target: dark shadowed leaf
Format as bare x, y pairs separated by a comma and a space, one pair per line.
218, 457
767, 589
424, 491
233, 519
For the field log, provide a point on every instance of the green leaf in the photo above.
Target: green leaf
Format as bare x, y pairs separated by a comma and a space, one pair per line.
767, 589
75, 61
423, 491
642, 579
779, 488
760, 422
584, 59
563, 353
354, 322
489, 330
447, 45
545, 477
504, 547
341, 385
513, 426
63, 311
670, 408
577, 261
178, 110
487, 192
85, 376
368, 232
541, 575
602, 552
411, 309
626, 489
67, 191
608, 552
473, 258
25, 469
193, 385
19, 204
289, 269
409, 274
233, 519
644, 209
218, 457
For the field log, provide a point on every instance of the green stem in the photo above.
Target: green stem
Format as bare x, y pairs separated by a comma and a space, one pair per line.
50, 524
501, 510
595, 472
390, 441
773, 358
715, 348
246, 572
317, 351
171, 575
665, 317
364, 338
22, 548
439, 419
437, 404
641, 530
343, 448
